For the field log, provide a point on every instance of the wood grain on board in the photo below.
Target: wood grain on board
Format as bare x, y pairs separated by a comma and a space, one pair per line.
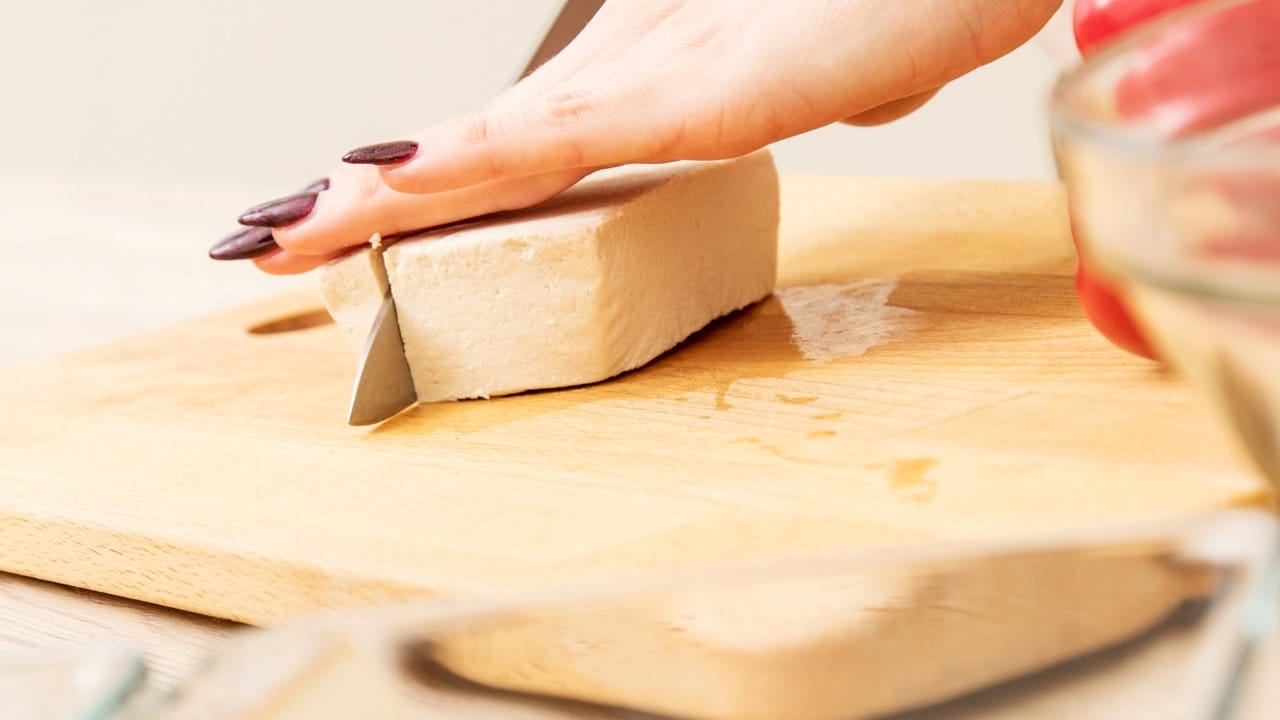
922, 373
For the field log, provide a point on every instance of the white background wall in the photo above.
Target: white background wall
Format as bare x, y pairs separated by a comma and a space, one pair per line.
270, 92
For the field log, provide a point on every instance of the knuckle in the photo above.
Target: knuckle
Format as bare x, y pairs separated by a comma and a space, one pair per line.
565, 118
483, 131
482, 128
563, 108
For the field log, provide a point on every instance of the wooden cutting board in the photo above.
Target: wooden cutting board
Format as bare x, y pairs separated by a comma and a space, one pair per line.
922, 373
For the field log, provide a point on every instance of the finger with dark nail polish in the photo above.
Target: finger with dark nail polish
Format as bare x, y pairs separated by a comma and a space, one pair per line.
388, 153
318, 186
244, 245
279, 213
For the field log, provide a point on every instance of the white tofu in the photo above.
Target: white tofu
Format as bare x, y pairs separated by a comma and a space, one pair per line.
353, 288
597, 281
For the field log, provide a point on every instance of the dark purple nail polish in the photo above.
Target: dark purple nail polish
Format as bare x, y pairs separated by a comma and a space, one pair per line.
279, 213
245, 244
318, 186
388, 153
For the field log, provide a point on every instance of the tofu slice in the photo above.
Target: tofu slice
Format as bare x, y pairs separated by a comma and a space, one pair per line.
597, 281
353, 288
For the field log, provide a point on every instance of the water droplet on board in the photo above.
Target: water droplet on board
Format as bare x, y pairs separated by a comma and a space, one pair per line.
835, 321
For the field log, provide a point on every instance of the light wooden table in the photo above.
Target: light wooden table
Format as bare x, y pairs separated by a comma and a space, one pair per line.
80, 254
88, 260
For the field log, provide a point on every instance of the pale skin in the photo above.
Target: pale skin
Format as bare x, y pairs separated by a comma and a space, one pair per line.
659, 80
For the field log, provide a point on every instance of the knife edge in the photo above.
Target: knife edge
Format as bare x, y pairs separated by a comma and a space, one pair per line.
383, 383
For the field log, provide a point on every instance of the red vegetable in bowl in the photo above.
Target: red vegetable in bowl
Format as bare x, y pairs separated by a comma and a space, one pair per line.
1095, 23
1206, 72
1195, 76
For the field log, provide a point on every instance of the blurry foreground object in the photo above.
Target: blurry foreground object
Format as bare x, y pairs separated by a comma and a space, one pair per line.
1169, 143
1196, 76
96, 682
1154, 621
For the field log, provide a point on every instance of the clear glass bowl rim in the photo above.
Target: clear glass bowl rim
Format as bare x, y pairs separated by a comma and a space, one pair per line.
1068, 117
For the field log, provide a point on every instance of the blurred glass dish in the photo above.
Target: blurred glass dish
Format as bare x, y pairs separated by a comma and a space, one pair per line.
90, 683
1115, 623
1169, 144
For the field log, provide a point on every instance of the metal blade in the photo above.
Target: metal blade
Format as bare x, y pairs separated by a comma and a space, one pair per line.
384, 385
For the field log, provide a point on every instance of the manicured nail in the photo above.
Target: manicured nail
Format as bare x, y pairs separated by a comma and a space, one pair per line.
318, 186
279, 213
388, 153
245, 244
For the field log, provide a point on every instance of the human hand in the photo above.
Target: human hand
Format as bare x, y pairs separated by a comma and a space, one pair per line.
649, 81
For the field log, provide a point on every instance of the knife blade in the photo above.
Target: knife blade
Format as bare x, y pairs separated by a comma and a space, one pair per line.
384, 383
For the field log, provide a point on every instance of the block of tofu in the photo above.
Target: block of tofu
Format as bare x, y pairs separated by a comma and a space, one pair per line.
597, 281
353, 288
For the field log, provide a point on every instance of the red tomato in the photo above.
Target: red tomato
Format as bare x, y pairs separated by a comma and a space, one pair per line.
1096, 22
1109, 314
1102, 303
1206, 72
1198, 75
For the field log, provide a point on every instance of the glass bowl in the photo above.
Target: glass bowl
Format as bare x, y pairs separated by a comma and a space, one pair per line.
1169, 145
96, 682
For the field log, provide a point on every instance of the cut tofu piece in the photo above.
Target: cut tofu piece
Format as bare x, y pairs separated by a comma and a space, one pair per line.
353, 288
597, 281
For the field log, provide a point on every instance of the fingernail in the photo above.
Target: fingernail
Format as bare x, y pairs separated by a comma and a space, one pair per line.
244, 244
278, 213
388, 153
318, 186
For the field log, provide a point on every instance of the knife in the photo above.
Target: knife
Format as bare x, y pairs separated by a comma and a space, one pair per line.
384, 383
